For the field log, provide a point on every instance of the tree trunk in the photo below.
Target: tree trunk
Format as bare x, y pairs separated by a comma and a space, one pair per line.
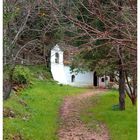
8, 83
133, 99
134, 95
121, 69
132, 89
121, 89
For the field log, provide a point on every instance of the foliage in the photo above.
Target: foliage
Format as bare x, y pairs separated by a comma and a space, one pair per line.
40, 71
21, 75
122, 125
38, 117
28, 25
107, 38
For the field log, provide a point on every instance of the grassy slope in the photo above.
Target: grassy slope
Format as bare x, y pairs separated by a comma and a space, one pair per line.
43, 102
122, 125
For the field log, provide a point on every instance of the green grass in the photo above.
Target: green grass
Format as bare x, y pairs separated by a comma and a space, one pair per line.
40, 70
39, 120
122, 125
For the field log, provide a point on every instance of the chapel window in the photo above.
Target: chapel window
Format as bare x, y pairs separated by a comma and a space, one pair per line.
72, 78
56, 57
102, 80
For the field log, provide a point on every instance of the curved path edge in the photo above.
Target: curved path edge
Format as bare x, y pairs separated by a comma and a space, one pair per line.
71, 127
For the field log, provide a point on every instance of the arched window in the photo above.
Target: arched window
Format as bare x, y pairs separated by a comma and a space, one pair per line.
72, 78
56, 57
102, 79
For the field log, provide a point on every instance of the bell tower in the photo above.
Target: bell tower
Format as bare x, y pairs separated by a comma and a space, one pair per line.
56, 55
57, 66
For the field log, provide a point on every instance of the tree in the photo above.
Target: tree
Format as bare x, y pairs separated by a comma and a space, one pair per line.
103, 30
29, 29
108, 26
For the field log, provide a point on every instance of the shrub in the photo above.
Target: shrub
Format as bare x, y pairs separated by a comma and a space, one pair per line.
40, 72
21, 75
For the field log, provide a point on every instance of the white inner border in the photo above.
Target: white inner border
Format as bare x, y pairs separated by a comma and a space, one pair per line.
138, 68
1, 68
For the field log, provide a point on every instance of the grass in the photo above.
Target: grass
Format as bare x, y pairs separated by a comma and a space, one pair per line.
38, 117
122, 125
36, 111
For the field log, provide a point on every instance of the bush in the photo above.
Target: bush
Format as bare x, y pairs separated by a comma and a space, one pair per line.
21, 75
40, 72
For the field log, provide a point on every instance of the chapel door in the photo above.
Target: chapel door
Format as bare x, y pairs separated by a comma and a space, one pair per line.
95, 79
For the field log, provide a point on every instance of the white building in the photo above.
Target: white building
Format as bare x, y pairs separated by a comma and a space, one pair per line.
63, 75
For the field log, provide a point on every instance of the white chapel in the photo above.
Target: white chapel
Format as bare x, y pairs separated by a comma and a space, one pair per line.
63, 74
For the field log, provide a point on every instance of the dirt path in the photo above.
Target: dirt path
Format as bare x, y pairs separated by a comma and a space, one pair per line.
72, 128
